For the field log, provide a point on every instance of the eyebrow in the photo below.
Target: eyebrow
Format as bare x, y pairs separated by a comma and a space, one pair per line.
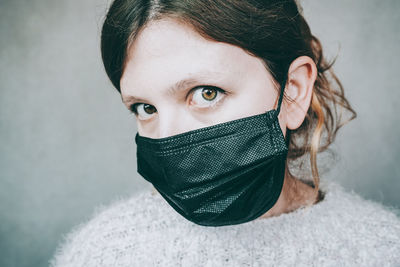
181, 85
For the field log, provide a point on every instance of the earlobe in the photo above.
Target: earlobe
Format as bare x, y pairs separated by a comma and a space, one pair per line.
301, 78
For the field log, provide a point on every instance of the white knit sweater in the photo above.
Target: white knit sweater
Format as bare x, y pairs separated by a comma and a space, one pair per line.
341, 230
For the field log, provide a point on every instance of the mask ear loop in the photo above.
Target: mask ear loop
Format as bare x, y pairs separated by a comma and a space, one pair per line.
283, 85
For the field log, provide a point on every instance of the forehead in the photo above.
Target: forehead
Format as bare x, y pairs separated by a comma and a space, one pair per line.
167, 50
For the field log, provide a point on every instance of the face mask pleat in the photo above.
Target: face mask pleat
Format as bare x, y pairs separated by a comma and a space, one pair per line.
206, 134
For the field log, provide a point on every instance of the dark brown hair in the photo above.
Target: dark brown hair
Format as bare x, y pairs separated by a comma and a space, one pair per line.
272, 30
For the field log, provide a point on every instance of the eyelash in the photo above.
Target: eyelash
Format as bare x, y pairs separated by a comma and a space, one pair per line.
133, 107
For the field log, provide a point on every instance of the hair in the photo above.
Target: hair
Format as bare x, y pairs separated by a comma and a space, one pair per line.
272, 30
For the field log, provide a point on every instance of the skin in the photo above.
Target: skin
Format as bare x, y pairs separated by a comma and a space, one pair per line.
167, 51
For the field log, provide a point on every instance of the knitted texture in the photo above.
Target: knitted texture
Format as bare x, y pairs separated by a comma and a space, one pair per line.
341, 230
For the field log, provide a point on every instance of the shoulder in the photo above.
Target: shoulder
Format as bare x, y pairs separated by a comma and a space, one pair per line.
352, 228
111, 233
352, 208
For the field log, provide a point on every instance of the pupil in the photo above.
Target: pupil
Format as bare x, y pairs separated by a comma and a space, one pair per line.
149, 109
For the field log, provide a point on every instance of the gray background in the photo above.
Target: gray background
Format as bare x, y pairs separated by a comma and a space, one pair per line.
67, 141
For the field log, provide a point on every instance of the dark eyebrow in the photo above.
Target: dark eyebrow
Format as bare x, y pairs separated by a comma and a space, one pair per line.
180, 85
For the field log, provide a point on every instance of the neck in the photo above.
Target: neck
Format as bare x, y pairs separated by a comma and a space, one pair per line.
295, 194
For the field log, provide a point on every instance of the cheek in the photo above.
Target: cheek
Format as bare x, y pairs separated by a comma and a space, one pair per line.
250, 100
147, 129
282, 118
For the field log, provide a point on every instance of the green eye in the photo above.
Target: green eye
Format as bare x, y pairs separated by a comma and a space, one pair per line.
207, 96
209, 93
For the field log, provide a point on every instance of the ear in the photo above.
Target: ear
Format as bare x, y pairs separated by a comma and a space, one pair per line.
301, 77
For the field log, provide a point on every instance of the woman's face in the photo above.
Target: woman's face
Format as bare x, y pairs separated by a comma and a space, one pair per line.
177, 81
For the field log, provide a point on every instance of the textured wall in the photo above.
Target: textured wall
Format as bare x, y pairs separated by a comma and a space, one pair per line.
67, 141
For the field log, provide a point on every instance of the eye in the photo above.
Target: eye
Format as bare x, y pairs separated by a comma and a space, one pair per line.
143, 111
206, 96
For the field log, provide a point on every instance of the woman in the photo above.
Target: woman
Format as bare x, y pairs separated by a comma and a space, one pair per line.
229, 96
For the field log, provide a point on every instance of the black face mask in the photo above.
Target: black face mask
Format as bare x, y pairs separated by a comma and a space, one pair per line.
224, 174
